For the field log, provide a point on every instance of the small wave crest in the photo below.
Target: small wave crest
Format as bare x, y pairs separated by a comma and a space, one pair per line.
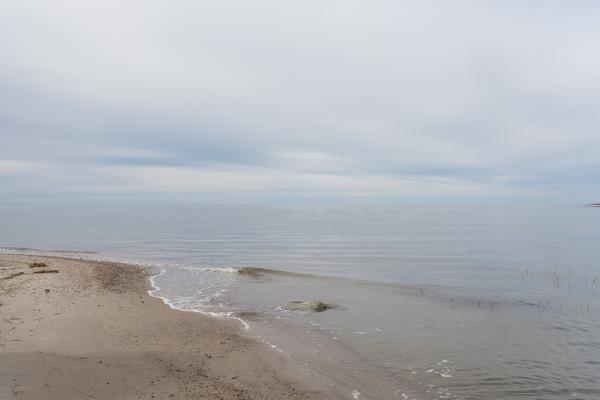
254, 272
259, 271
227, 270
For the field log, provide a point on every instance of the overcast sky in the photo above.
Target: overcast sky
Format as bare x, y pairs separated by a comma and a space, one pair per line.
236, 100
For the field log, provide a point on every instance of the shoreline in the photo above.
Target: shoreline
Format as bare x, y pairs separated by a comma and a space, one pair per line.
156, 288
92, 329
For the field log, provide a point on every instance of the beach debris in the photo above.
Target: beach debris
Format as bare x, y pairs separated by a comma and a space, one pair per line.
309, 305
47, 291
46, 271
38, 265
14, 275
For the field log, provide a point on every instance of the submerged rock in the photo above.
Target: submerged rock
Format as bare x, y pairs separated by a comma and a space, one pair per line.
308, 305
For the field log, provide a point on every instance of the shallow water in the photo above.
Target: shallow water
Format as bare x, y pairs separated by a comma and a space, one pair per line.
453, 302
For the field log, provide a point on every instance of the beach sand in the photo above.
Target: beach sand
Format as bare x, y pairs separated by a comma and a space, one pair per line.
90, 331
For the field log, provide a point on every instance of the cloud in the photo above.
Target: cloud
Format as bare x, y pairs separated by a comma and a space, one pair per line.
387, 99
17, 167
231, 181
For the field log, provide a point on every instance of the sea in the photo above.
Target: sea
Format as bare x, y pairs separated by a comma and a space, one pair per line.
427, 301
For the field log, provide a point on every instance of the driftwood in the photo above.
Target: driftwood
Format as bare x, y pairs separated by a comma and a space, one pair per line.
13, 275
46, 271
38, 265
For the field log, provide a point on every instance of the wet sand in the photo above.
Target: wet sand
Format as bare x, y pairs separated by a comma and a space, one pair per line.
90, 331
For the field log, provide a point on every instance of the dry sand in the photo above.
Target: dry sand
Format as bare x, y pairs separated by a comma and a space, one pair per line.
90, 331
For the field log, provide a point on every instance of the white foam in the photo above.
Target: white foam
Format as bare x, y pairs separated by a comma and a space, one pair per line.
155, 287
154, 293
228, 270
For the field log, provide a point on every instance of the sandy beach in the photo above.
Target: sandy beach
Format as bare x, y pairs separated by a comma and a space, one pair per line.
77, 329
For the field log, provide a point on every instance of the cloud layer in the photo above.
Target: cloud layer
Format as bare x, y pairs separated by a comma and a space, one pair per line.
269, 99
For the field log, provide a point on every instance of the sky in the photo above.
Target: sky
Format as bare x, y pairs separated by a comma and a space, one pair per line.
306, 100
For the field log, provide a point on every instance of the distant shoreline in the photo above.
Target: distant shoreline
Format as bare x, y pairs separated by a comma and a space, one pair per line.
87, 328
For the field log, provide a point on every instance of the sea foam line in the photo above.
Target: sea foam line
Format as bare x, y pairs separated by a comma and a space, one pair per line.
155, 289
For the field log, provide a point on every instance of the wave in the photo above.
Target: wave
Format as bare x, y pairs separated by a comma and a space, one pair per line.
257, 272
43, 251
228, 270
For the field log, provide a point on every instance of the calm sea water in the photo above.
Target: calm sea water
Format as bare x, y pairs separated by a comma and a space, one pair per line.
433, 302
